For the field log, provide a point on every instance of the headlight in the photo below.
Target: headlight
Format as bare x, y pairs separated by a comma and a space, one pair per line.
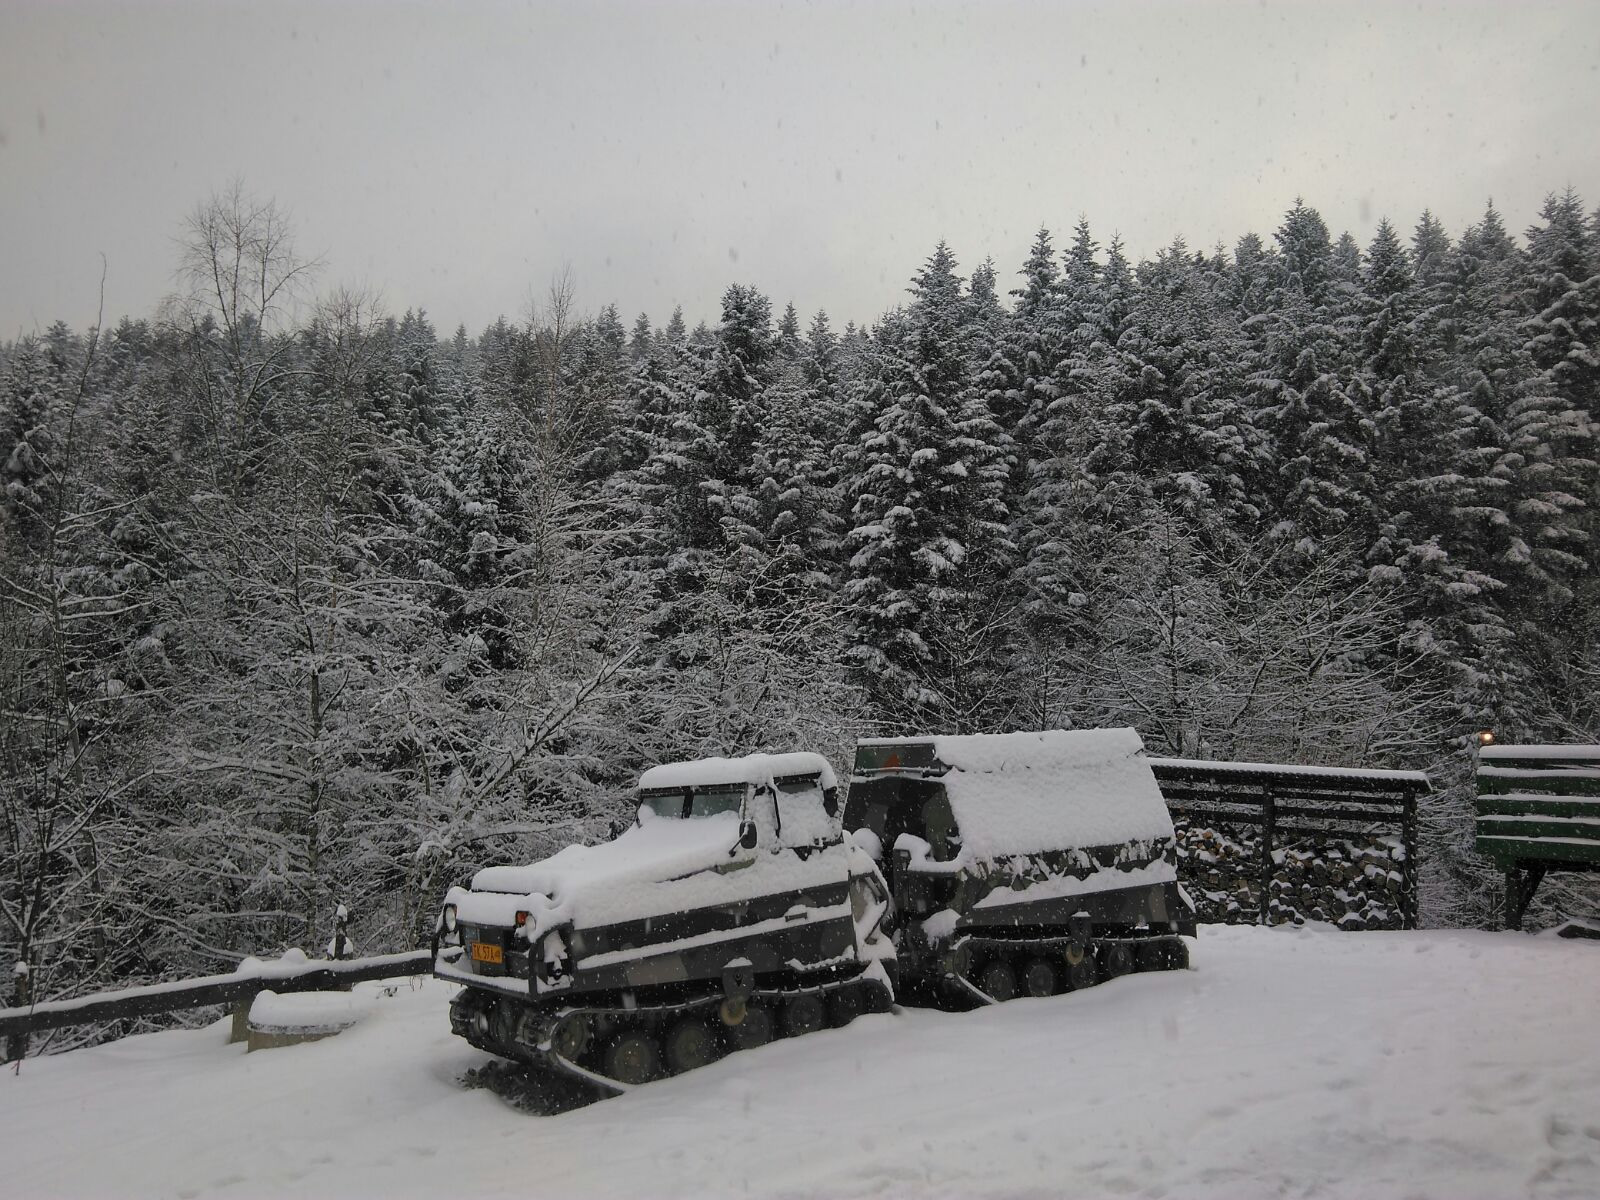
450, 918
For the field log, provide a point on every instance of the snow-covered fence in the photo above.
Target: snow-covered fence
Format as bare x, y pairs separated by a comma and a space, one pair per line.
288, 974
1268, 843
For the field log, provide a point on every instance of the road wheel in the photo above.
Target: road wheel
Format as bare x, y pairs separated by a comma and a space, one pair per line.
998, 979
1081, 974
1116, 958
1040, 978
756, 1029
571, 1037
804, 1014
844, 1005
690, 1044
633, 1057
1150, 955
876, 997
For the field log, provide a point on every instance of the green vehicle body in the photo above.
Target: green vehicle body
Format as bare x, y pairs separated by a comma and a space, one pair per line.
738, 908
733, 910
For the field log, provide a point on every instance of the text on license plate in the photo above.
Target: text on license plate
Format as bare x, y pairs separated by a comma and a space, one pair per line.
486, 952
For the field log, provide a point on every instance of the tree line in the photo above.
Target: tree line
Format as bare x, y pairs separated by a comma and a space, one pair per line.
302, 603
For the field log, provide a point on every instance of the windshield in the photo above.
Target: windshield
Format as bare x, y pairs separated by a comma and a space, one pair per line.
697, 802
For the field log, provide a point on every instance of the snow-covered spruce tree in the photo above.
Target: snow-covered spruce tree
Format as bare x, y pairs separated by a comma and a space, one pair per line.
1462, 595
1018, 376
1251, 278
1550, 422
698, 460
1076, 493
1552, 428
30, 401
730, 407
743, 649
1305, 400
787, 343
782, 526
1411, 416
1436, 353
1174, 394
598, 378
649, 462
930, 544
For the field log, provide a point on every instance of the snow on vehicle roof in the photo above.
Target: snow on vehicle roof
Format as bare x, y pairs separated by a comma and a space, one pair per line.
1512, 753
755, 769
1254, 768
1023, 793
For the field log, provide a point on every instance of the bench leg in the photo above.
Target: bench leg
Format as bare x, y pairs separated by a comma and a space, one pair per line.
1519, 892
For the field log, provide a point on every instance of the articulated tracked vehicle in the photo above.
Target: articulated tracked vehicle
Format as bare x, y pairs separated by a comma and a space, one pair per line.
733, 911
736, 910
1021, 863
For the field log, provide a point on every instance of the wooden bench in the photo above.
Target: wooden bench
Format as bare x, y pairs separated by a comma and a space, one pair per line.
1538, 811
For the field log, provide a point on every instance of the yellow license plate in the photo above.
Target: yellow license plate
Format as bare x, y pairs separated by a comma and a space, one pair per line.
486, 952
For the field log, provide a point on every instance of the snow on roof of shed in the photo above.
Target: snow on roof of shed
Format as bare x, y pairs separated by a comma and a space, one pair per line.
1022, 793
1309, 772
753, 769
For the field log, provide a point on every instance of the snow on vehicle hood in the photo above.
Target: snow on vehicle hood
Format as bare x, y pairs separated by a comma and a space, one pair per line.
658, 849
599, 884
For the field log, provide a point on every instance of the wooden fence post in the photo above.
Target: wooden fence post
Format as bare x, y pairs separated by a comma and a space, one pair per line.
239, 1029
21, 993
1408, 869
1269, 818
341, 940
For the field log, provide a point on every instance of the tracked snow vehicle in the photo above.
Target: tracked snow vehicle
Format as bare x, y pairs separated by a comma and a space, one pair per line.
733, 911
1021, 863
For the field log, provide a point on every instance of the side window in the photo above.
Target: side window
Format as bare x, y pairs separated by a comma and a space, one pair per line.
763, 810
939, 824
860, 898
803, 814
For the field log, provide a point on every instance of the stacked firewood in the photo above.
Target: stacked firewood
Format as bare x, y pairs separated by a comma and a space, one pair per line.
1352, 882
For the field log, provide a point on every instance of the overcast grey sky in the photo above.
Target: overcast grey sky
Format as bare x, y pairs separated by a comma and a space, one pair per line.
454, 157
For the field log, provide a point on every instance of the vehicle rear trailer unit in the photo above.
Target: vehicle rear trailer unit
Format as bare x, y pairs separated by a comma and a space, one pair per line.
1021, 863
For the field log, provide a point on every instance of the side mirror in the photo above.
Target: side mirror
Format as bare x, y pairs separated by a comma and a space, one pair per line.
747, 835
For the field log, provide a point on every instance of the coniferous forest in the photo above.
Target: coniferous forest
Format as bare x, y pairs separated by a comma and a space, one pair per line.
304, 603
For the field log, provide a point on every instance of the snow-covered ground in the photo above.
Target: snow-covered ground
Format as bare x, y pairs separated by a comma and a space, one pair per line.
1286, 1063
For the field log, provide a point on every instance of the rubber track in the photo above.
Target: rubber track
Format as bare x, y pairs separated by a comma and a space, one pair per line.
1015, 945
547, 1055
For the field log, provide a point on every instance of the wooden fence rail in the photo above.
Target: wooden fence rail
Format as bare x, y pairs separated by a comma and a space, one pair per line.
312, 975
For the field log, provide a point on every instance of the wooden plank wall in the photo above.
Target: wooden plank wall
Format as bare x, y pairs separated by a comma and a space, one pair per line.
1539, 804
